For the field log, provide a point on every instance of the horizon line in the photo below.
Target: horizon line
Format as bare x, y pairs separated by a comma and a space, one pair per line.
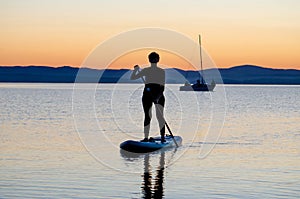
254, 65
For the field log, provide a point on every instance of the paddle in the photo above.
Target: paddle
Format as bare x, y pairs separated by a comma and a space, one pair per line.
169, 129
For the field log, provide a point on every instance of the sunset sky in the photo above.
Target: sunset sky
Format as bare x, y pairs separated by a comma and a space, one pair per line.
234, 32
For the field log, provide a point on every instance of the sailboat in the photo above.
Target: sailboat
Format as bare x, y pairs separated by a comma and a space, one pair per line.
200, 85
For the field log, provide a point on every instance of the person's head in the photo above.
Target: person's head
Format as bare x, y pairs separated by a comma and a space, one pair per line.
153, 57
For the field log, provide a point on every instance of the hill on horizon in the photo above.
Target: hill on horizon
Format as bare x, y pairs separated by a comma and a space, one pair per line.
243, 74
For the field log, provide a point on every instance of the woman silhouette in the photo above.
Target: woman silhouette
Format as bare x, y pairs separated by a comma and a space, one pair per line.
153, 93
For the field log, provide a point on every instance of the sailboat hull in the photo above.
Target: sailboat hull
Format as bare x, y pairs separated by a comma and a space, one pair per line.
202, 87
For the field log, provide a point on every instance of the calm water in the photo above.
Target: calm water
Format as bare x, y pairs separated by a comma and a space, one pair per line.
61, 143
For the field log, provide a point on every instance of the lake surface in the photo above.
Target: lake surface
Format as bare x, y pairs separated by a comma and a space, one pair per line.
62, 141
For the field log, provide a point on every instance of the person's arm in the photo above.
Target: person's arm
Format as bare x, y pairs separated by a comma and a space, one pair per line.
135, 74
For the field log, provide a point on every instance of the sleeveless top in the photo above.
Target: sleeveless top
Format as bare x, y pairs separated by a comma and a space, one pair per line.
154, 82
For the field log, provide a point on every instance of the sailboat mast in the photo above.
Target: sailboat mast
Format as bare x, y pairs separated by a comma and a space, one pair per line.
202, 78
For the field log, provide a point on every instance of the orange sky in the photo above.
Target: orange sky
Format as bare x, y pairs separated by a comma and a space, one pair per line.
56, 33
140, 57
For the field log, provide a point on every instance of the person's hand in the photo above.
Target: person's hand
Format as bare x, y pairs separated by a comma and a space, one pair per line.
136, 67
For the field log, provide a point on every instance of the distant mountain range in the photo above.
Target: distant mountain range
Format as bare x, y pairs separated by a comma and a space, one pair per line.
245, 74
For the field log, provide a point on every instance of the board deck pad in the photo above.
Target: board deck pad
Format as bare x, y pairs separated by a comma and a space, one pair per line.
153, 145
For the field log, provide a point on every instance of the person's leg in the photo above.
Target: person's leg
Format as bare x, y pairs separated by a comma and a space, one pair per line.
147, 104
160, 116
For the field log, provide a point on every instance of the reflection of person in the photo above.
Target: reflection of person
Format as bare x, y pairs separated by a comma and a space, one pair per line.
157, 191
153, 93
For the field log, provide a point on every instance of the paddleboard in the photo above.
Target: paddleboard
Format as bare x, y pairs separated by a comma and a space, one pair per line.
153, 145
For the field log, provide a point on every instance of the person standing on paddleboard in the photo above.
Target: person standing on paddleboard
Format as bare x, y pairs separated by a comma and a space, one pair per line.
154, 79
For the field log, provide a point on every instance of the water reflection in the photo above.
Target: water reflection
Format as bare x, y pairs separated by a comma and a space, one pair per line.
155, 189
153, 175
